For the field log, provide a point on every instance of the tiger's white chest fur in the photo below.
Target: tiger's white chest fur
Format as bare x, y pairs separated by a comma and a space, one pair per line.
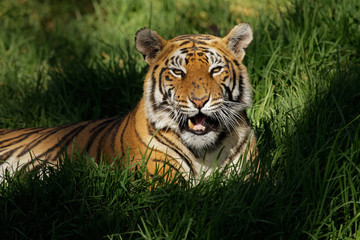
225, 155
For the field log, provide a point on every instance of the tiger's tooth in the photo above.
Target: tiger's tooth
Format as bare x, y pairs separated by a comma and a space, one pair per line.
190, 124
199, 128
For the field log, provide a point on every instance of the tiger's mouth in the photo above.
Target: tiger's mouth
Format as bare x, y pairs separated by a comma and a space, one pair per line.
201, 124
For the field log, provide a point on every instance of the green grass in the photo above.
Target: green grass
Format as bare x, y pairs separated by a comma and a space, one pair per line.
74, 61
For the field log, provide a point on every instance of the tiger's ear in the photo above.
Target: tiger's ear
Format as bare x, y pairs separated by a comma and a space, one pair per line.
239, 39
148, 43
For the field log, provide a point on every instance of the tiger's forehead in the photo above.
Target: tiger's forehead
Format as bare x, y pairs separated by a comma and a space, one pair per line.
193, 41
190, 48
193, 38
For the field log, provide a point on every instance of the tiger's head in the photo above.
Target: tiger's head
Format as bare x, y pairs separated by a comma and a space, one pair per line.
196, 85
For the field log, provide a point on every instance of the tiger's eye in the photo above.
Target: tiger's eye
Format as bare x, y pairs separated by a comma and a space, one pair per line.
216, 70
177, 72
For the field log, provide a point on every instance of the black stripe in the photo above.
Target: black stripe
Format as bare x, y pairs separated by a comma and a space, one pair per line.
171, 145
234, 77
204, 37
238, 81
220, 138
172, 59
152, 96
201, 43
95, 132
166, 162
108, 131
184, 37
184, 50
18, 141
150, 128
168, 79
239, 147
225, 78
227, 90
2, 131
236, 63
241, 83
123, 131
30, 134
25, 135
216, 104
204, 49
183, 43
224, 53
116, 129
177, 59
202, 60
160, 77
138, 135
38, 140
101, 125
62, 144
5, 156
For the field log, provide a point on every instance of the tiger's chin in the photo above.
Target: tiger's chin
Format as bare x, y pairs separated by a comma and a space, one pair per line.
199, 143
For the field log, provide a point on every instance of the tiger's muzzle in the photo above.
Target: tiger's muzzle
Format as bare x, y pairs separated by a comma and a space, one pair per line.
200, 124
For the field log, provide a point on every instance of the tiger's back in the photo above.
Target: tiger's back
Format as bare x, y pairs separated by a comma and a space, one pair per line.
17, 147
192, 114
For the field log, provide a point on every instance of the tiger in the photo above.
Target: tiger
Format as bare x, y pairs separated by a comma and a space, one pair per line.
191, 117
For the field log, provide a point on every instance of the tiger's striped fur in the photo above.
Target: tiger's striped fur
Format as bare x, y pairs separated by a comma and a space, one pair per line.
193, 108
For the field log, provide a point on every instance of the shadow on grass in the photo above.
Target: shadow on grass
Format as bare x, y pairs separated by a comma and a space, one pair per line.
96, 90
317, 181
77, 92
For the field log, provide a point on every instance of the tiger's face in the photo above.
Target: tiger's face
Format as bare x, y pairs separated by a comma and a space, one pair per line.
196, 85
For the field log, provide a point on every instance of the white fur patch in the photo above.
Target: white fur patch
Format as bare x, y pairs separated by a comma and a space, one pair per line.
199, 143
177, 62
215, 60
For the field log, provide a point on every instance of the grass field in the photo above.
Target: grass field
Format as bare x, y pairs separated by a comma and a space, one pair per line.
75, 60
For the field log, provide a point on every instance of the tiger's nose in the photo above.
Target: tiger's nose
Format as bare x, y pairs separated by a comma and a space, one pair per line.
199, 102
